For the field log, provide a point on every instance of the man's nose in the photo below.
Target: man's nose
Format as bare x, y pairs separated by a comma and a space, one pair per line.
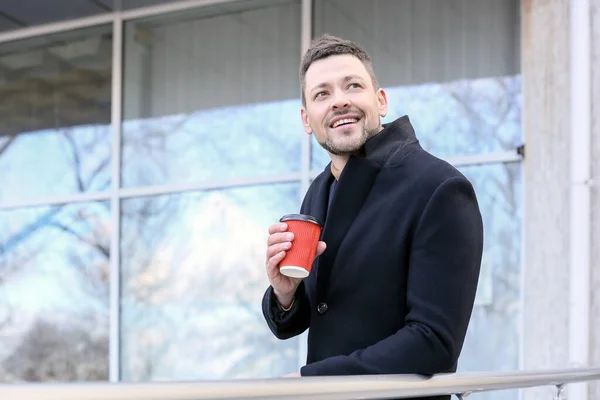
340, 101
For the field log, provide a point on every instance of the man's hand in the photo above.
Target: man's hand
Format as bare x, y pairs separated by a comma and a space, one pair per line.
278, 243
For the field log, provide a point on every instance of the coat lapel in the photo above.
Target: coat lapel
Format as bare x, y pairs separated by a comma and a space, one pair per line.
353, 187
318, 206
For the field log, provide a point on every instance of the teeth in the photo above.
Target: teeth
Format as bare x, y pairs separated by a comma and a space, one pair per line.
345, 121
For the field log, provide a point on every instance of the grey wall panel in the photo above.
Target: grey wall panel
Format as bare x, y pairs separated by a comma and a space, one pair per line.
232, 59
416, 41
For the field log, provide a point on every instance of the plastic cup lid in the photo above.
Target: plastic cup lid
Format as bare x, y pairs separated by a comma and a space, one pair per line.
300, 217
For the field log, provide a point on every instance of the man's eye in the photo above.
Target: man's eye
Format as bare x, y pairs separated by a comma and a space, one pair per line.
354, 85
320, 94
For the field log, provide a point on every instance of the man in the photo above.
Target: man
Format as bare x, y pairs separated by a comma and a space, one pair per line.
393, 284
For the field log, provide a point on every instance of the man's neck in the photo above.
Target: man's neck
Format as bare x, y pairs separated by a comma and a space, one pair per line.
337, 165
338, 162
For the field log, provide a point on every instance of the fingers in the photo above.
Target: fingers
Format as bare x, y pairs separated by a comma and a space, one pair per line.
273, 263
279, 237
277, 248
278, 243
278, 227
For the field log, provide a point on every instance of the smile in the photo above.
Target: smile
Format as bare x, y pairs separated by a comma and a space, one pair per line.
344, 121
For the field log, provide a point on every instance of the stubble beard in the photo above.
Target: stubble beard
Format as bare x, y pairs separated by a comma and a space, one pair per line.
348, 149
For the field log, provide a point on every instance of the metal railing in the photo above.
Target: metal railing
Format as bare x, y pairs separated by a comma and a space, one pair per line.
346, 387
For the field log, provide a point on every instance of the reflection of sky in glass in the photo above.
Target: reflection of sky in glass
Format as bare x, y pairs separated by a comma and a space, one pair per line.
463, 117
231, 142
49, 249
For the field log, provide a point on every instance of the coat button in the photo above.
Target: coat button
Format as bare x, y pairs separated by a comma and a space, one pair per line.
322, 308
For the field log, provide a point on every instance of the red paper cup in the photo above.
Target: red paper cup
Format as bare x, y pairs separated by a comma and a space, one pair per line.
299, 258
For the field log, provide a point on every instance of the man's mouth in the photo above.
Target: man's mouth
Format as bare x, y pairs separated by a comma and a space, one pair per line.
344, 121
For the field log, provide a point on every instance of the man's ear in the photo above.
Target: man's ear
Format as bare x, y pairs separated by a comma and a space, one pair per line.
382, 102
305, 121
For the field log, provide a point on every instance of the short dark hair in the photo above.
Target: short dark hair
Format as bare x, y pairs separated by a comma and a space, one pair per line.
326, 46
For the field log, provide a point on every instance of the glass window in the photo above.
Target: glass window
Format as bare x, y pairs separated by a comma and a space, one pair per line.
451, 66
54, 293
55, 106
212, 94
495, 321
192, 282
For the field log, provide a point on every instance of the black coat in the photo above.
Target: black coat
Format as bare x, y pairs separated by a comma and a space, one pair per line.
394, 291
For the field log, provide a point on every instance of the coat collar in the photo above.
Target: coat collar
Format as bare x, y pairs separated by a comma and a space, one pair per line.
394, 136
354, 186
378, 150
380, 147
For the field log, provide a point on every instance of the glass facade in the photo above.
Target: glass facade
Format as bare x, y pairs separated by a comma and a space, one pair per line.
208, 153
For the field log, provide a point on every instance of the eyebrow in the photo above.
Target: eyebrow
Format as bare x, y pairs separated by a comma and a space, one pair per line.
344, 79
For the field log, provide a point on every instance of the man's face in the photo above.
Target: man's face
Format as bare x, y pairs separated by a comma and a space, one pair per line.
343, 109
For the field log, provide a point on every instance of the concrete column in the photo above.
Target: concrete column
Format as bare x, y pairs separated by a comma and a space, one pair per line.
595, 310
545, 71
546, 235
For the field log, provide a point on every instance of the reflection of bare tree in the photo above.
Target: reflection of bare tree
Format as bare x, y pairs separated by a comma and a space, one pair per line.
85, 229
6, 142
487, 113
491, 116
79, 151
201, 145
487, 109
212, 144
48, 352
149, 279
194, 303
85, 179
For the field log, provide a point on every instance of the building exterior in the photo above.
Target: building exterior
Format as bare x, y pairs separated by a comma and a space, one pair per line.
145, 147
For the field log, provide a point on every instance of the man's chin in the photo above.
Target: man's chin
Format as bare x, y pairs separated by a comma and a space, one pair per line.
344, 150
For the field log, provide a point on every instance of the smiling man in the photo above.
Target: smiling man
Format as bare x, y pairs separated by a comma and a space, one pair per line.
342, 106
393, 284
